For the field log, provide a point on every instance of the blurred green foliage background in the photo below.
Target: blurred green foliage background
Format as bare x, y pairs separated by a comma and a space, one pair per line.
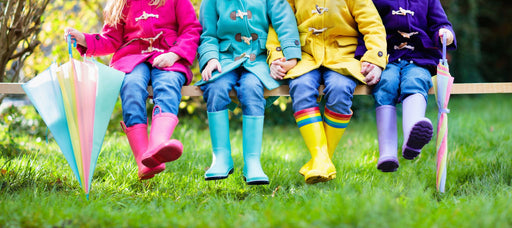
482, 28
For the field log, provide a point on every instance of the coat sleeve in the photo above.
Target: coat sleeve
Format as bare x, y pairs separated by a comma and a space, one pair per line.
437, 19
273, 48
209, 47
283, 37
370, 25
107, 42
189, 31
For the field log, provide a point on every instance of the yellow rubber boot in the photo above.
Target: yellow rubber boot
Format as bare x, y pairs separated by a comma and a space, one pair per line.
312, 130
334, 126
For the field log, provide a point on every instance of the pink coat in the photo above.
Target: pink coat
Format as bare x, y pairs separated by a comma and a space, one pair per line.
147, 32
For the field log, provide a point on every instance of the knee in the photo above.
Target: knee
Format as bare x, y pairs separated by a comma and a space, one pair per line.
385, 94
216, 88
133, 83
133, 90
174, 79
300, 90
216, 91
416, 85
339, 102
302, 84
338, 96
340, 89
251, 89
251, 98
388, 81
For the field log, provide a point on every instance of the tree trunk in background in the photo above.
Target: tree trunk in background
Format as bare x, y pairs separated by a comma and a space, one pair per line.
20, 22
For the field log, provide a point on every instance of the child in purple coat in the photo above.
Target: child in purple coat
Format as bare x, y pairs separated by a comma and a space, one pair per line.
414, 34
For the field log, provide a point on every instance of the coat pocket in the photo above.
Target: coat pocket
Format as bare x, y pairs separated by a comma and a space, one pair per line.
225, 46
170, 42
345, 41
225, 50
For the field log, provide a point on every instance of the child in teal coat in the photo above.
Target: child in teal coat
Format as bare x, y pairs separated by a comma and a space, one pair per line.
232, 54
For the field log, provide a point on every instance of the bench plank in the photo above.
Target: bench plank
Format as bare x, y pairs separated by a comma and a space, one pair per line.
193, 91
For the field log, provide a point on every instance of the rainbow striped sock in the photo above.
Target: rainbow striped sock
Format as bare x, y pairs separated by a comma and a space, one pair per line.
308, 116
336, 120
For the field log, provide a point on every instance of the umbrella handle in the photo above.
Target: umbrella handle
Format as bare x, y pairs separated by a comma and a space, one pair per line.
71, 42
444, 49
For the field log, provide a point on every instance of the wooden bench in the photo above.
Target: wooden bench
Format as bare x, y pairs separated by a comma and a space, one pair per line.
458, 88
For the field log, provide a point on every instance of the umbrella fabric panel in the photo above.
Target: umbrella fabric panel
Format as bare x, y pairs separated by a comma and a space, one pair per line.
44, 93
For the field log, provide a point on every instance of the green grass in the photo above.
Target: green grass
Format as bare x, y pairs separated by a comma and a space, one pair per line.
38, 189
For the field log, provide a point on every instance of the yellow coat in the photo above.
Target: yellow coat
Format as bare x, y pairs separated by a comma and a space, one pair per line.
328, 35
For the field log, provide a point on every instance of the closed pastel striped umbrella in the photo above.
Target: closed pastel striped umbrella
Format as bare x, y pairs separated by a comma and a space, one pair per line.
443, 83
76, 101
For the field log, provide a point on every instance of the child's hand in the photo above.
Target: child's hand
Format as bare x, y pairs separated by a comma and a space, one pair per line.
75, 34
213, 64
166, 60
371, 72
279, 67
276, 71
449, 36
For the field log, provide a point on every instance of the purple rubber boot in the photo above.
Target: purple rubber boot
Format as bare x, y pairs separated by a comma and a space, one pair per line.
388, 146
417, 129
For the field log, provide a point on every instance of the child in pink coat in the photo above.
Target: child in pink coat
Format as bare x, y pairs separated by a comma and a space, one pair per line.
153, 41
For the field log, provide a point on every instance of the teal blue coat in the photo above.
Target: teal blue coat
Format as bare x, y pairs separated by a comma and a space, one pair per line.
235, 33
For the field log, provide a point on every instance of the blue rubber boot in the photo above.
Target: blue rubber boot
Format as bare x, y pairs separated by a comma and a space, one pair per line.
222, 163
252, 139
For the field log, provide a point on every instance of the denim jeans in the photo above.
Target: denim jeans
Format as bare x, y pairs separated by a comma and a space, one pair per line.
339, 90
248, 87
166, 92
399, 80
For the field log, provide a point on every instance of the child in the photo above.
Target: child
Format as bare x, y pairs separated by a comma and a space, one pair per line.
152, 41
232, 54
328, 35
414, 29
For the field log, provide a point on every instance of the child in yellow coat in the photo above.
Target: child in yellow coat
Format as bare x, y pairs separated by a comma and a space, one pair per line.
328, 35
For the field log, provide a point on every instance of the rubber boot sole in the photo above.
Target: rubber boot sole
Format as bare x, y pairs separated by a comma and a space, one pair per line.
166, 152
219, 177
421, 134
388, 166
316, 178
256, 182
304, 169
151, 173
331, 176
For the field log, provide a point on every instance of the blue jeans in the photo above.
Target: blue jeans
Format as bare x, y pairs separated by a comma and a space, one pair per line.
401, 79
248, 87
339, 90
166, 92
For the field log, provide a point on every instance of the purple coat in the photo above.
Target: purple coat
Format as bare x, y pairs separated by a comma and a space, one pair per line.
412, 28
147, 32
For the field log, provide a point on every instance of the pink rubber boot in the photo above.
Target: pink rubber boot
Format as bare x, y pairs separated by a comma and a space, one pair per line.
138, 139
161, 149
